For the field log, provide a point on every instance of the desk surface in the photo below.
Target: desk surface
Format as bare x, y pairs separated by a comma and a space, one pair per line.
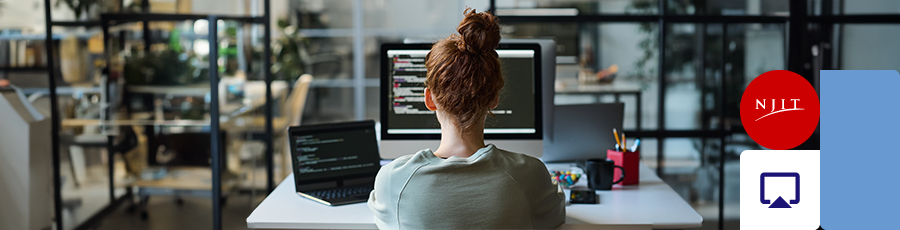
255, 98
572, 86
186, 178
255, 87
651, 204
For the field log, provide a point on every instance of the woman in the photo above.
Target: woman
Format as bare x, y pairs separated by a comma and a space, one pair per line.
466, 184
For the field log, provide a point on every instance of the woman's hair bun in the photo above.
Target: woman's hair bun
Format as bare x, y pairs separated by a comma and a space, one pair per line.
479, 32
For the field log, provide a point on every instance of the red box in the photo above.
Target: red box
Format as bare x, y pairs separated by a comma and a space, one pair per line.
628, 161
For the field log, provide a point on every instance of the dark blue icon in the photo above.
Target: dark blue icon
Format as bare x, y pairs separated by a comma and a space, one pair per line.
779, 203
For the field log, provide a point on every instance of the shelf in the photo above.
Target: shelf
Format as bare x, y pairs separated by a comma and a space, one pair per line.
23, 69
189, 90
342, 83
868, 18
62, 90
572, 86
75, 23
373, 32
138, 17
85, 122
8, 36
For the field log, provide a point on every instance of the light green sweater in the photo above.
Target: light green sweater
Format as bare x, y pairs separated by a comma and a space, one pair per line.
492, 189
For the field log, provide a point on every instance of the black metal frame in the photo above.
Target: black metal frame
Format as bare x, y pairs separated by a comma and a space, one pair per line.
214, 120
55, 120
607, 18
800, 40
122, 18
722, 128
107, 20
6, 69
23, 69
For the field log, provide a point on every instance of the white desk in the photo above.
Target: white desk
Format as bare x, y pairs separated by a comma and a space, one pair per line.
254, 92
650, 205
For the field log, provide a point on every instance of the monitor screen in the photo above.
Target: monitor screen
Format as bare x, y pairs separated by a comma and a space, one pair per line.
322, 153
404, 115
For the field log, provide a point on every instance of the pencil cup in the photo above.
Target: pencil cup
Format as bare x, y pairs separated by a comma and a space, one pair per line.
628, 161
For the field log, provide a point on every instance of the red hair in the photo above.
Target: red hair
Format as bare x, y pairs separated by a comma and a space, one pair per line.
464, 69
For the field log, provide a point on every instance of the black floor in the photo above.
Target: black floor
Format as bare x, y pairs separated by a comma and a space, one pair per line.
713, 224
164, 213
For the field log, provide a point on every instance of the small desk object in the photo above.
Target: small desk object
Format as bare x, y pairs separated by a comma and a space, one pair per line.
652, 204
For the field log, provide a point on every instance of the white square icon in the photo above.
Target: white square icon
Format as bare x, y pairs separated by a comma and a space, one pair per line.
780, 189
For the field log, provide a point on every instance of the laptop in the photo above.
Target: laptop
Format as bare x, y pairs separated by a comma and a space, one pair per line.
582, 132
335, 164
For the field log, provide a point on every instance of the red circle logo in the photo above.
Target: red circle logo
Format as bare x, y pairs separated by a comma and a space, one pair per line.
780, 109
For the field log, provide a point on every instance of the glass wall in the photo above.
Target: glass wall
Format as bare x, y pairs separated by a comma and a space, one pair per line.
729, 7
681, 100
344, 38
863, 46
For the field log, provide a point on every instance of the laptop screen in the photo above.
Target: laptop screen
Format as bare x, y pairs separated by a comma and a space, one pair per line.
334, 151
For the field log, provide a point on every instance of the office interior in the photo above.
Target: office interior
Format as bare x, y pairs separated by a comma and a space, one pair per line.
130, 136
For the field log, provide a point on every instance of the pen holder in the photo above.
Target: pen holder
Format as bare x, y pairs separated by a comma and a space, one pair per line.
628, 161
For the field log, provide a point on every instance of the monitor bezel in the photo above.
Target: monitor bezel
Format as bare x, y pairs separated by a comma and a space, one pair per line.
385, 93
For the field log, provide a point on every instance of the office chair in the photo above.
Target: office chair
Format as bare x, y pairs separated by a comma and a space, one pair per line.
291, 115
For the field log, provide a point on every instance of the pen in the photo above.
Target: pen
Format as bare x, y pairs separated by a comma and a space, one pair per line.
635, 145
618, 143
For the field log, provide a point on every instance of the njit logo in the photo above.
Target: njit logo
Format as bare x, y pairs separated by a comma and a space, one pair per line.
763, 103
779, 109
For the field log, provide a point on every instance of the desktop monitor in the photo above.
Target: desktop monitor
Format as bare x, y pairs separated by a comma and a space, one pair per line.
407, 126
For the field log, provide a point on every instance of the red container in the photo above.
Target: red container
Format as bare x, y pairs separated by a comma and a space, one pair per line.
629, 161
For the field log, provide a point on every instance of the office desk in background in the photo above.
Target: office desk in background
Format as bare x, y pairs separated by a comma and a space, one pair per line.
254, 91
650, 205
569, 86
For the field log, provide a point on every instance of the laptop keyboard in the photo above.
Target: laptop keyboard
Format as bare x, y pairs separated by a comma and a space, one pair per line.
335, 193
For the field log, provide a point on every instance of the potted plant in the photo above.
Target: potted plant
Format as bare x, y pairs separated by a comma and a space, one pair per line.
166, 67
290, 51
78, 7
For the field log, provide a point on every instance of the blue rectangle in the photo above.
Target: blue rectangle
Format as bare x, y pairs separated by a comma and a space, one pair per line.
860, 121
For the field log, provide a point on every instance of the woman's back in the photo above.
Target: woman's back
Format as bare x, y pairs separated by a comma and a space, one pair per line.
492, 189
464, 183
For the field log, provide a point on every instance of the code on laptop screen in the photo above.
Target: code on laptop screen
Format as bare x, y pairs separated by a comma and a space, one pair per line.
335, 154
